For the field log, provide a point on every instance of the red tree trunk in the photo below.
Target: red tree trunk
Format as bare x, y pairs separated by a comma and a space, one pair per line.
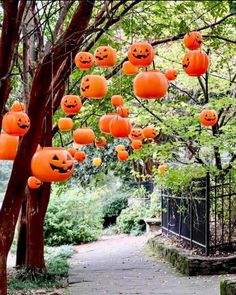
21, 242
3, 268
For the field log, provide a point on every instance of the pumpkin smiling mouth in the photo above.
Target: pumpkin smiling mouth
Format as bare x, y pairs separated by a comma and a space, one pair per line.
85, 62
186, 65
71, 106
101, 58
209, 119
85, 88
23, 126
140, 56
61, 170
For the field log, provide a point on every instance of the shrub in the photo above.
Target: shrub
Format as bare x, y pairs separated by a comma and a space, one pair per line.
131, 220
74, 217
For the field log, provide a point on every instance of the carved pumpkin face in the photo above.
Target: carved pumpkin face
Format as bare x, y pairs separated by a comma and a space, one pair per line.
149, 132
193, 40
136, 144
171, 74
144, 85
52, 164
117, 100
141, 54
83, 136
195, 63
34, 183
120, 147
18, 107
71, 104
65, 124
129, 69
104, 123
100, 141
123, 112
120, 127
105, 56
97, 162
123, 155
84, 60
208, 117
136, 133
8, 146
80, 156
16, 123
93, 86
162, 169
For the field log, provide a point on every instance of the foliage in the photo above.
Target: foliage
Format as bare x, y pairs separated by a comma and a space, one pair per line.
131, 220
74, 217
57, 269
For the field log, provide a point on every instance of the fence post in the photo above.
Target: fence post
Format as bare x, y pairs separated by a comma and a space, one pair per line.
207, 213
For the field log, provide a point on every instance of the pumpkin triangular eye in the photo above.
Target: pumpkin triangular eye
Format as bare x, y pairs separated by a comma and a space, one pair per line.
135, 50
55, 158
68, 157
146, 50
105, 50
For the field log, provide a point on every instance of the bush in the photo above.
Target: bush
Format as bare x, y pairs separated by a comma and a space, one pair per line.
131, 220
74, 217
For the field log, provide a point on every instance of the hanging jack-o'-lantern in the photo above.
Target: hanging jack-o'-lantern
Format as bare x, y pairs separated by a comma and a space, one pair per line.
104, 122
171, 74
136, 133
16, 123
84, 60
72, 151
80, 156
93, 86
150, 85
123, 155
193, 40
8, 146
208, 117
100, 142
65, 124
34, 183
18, 107
162, 169
136, 144
123, 112
105, 56
120, 147
97, 162
149, 132
120, 127
71, 104
195, 63
129, 69
117, 100
52, 164
141, 54
83, 136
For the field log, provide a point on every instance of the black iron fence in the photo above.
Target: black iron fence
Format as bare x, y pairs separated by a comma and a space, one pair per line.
204, 214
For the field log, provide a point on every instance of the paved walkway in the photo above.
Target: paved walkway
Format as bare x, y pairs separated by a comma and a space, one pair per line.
120, 265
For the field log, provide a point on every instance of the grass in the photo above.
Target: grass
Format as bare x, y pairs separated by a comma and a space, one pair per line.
54, 278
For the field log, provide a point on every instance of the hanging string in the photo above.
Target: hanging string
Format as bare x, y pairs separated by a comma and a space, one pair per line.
52, 83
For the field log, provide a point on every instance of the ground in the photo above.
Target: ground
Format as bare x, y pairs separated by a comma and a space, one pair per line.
121, 265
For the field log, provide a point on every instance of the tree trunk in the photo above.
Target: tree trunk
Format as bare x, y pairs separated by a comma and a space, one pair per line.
3, 268
21, 242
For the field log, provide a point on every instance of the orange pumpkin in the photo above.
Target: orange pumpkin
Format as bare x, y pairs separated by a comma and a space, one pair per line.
123, 155
208, 117
80, 156
150, 85
84, 60
104, 122
195, 63
136, 133
8, 146
52, 164
71, 104
16, 123
65, 124
123, 112
105, 56
97, 162
117, 100
120, 147
18, 107
93, 86
136, 144
72, 151
129, 69
141, 54
162, 169
171, 74
149, 132
83, 136
120, 127
193, 40
34, 183
100, 141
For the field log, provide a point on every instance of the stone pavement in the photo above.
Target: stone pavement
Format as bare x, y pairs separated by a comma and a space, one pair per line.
120, 265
